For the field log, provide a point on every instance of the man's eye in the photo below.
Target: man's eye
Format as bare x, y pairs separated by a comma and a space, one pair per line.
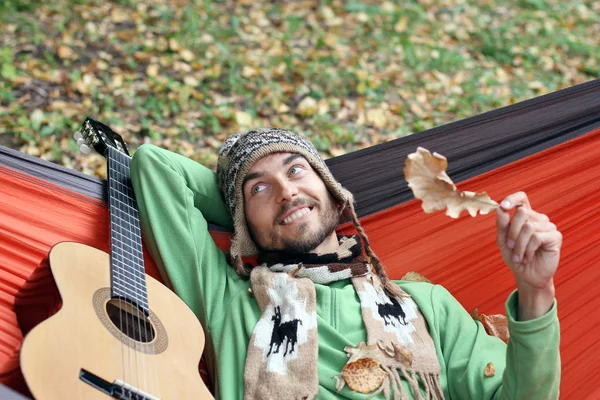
295, 170
258, 188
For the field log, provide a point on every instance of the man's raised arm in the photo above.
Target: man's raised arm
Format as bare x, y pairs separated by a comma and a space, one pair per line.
177, 197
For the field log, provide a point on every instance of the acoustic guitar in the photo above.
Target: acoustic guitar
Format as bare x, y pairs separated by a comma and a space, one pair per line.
120, 333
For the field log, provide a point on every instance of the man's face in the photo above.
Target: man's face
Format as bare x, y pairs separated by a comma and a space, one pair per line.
288, 207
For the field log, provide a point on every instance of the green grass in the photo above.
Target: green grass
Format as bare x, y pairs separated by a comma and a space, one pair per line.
179, 74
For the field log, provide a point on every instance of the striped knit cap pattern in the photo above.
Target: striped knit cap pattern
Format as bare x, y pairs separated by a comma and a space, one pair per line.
237, 155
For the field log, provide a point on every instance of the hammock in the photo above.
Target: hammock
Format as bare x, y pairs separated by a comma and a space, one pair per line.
548, 146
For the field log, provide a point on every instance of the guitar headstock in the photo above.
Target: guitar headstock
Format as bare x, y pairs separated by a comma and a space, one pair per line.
99, 136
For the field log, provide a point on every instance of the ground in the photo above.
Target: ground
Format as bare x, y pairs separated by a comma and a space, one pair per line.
349, 74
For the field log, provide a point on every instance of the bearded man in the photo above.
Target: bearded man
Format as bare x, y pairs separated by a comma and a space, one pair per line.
316, 302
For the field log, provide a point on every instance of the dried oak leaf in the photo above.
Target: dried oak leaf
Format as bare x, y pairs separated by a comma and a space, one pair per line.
426, 176
363, 375
414, 276
489, 370
494, 324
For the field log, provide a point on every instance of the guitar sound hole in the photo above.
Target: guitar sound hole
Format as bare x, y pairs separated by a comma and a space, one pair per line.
130, 320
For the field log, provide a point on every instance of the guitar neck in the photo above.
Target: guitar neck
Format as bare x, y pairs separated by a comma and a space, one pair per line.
127, 261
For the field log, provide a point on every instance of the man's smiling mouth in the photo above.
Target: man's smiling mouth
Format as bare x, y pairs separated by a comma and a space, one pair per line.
296, 215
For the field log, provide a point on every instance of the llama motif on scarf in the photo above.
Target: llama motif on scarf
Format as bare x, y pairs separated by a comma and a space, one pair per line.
278, 352
399, 346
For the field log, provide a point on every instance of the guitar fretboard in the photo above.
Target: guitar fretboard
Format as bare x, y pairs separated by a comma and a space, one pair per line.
127, 260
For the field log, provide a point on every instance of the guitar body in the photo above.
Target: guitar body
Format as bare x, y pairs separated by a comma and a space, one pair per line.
82, 336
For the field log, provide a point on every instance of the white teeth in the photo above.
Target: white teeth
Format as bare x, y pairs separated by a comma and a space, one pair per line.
301, 212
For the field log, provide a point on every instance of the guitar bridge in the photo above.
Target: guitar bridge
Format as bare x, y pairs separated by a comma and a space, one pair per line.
118, 390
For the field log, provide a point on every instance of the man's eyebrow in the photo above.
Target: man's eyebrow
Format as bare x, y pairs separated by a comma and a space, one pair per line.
253, 175
291, 158
286, 161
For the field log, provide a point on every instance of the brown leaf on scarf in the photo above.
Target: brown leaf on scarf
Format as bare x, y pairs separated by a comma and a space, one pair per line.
397, 352
363, 375
426, 176
414, 276
494, 324
489, 370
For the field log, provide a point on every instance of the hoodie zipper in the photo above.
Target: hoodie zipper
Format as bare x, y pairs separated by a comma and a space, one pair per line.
333, 309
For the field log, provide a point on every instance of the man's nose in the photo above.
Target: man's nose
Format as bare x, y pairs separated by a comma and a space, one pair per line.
287, 191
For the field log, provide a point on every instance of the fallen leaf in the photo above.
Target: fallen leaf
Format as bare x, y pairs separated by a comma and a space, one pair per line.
174, 44
414, 277
64, 52
243, 118
37, 116
397, 352
118, 15
426, 176
494, 324
152, 70
336, 151
283, 108
186, 54
377, 117
307, 107
190, 81
363, 375
248, 71
489, 370
401, 25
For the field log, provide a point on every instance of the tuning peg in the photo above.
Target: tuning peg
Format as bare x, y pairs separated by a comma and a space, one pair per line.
77, 135
80, 141
85, 149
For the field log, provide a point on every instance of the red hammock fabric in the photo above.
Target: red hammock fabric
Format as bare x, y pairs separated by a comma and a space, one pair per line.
563, 183
459, 254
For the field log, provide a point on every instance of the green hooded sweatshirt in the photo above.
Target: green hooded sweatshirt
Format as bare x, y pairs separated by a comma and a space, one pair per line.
178, 197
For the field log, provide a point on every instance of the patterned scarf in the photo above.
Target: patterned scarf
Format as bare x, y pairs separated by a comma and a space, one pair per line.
283, 350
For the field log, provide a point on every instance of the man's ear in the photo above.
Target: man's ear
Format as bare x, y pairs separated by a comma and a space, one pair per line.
344, 212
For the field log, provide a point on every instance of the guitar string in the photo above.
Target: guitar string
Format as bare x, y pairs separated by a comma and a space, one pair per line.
141, 272
137, 304
112, 204
127, 375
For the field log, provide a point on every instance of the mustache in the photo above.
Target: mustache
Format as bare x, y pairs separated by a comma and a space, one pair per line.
295, 203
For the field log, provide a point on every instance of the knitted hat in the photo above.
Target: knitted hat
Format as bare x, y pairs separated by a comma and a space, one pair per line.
240, 152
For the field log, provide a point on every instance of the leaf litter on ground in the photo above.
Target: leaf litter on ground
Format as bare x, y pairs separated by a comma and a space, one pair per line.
349, 74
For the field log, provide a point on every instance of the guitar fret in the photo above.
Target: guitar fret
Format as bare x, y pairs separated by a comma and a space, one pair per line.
124, 292
132, 220
125, 188
137, 236
127, 235
136, 252
136, 285
127, 259
125, 223
121, 164
132, 255
120, 205
133, 210
136, 263
138, 290
127, 286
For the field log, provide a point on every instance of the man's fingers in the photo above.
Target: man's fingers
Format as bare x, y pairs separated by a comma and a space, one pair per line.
522, 242
518, 199
520, 218
502, 223
534, 244
549, 241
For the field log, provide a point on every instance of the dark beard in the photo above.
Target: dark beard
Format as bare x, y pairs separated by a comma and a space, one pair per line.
304, 241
